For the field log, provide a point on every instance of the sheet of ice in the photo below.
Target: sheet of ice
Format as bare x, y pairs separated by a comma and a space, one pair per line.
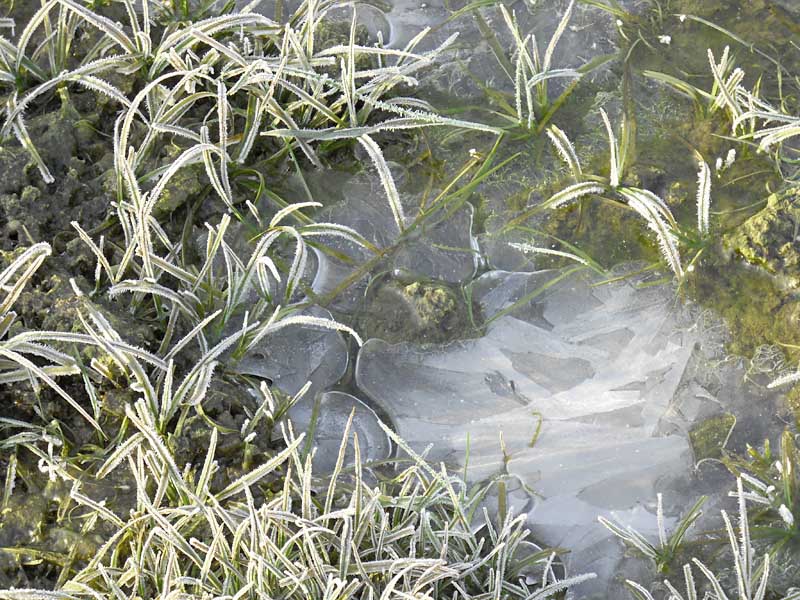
441, 247
329, 414
598, 366
499, 254
298, 354
464, 395
340, 260
470, 64
605, 344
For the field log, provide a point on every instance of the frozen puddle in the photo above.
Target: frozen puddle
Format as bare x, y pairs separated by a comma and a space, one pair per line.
442, 248
598, 367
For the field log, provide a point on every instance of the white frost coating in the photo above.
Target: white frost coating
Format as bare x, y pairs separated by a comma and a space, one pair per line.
601, 365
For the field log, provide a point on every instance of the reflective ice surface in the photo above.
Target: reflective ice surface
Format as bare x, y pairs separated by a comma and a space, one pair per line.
325, 419
575, 383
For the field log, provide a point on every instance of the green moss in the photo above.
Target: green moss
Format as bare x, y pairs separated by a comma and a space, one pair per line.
754, 307
608, 232
754, 286
792, 403
418, 311
433, 304
709, 436
187, 183
768, 239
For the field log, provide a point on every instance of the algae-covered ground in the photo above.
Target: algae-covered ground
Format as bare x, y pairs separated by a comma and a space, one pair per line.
470, 196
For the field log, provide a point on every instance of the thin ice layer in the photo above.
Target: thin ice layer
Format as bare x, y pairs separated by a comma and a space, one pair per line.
298, 354
598, 366
439, 247
325, 418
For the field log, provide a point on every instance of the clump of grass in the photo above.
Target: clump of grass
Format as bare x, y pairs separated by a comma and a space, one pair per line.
248, 74
411, 535
532, 70
772, 485
751, 577
646, 204
669, 545
753, 118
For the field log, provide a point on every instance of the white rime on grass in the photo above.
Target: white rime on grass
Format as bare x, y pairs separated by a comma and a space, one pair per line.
387, 180
652, 213
565, 150
531, 249
750, 579
531, 72
703, 197
648, 205
613, 147
574, 192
